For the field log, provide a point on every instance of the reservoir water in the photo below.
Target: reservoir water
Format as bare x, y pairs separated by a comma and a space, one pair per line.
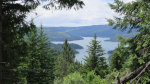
106, 45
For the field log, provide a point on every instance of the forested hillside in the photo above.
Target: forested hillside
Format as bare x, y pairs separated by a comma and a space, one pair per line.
55, 35
88, 31
27, 56
58, 47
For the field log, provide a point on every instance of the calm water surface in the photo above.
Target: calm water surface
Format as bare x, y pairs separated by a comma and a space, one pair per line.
106, 45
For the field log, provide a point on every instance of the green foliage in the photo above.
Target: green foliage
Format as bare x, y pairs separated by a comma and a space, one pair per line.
65, 61
13, 27
77, 78
74, 78
135, 15
19, 61
95, 61
92, 78
58, 80
29, 58
76, 4
139, 50
41, 57
118, 58
14, 48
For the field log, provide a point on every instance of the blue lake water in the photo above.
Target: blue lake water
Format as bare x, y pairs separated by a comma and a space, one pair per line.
106, 45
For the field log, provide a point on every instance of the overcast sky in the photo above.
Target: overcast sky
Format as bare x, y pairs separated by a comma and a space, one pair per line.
94, 12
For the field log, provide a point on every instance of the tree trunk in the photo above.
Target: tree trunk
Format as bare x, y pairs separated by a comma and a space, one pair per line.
1, 55
134, 74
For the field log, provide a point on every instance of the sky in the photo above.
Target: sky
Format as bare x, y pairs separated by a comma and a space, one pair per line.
95, 12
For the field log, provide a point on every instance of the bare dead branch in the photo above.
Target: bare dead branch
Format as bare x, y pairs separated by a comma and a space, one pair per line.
138, 80
147, 65
134, 74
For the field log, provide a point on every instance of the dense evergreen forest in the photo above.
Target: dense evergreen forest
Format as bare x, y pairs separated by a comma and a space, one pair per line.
28, 57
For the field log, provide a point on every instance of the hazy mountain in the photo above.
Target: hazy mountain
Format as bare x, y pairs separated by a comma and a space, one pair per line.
55, 35
75, 33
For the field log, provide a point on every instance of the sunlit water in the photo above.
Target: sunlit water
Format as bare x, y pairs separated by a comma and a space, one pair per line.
106, 45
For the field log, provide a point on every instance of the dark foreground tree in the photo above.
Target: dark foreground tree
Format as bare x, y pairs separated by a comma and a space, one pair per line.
120, 54
13, 27
135, 15
65, 61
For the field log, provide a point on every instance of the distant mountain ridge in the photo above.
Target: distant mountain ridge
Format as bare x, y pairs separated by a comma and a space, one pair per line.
88, 31
55, 35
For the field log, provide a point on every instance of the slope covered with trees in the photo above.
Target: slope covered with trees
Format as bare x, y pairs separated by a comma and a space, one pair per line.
27, 57
13, 28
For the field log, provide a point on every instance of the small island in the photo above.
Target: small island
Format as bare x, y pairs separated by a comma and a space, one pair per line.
73, 46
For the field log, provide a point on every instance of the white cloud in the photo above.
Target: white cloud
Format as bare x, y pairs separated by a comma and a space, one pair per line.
94, 12
127, 1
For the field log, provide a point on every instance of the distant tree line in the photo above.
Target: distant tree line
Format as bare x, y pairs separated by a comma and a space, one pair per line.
73, 46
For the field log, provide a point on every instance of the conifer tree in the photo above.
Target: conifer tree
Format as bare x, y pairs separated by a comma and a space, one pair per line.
41, 58
95, 61
118, 58
121, 54
47, 58
13, 27
65, 61
135, 15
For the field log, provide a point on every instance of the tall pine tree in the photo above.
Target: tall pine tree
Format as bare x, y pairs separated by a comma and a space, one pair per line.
41, 58
95, 61
65, 61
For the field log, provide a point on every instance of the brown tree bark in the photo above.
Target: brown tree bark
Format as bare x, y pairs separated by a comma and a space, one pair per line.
134, 74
